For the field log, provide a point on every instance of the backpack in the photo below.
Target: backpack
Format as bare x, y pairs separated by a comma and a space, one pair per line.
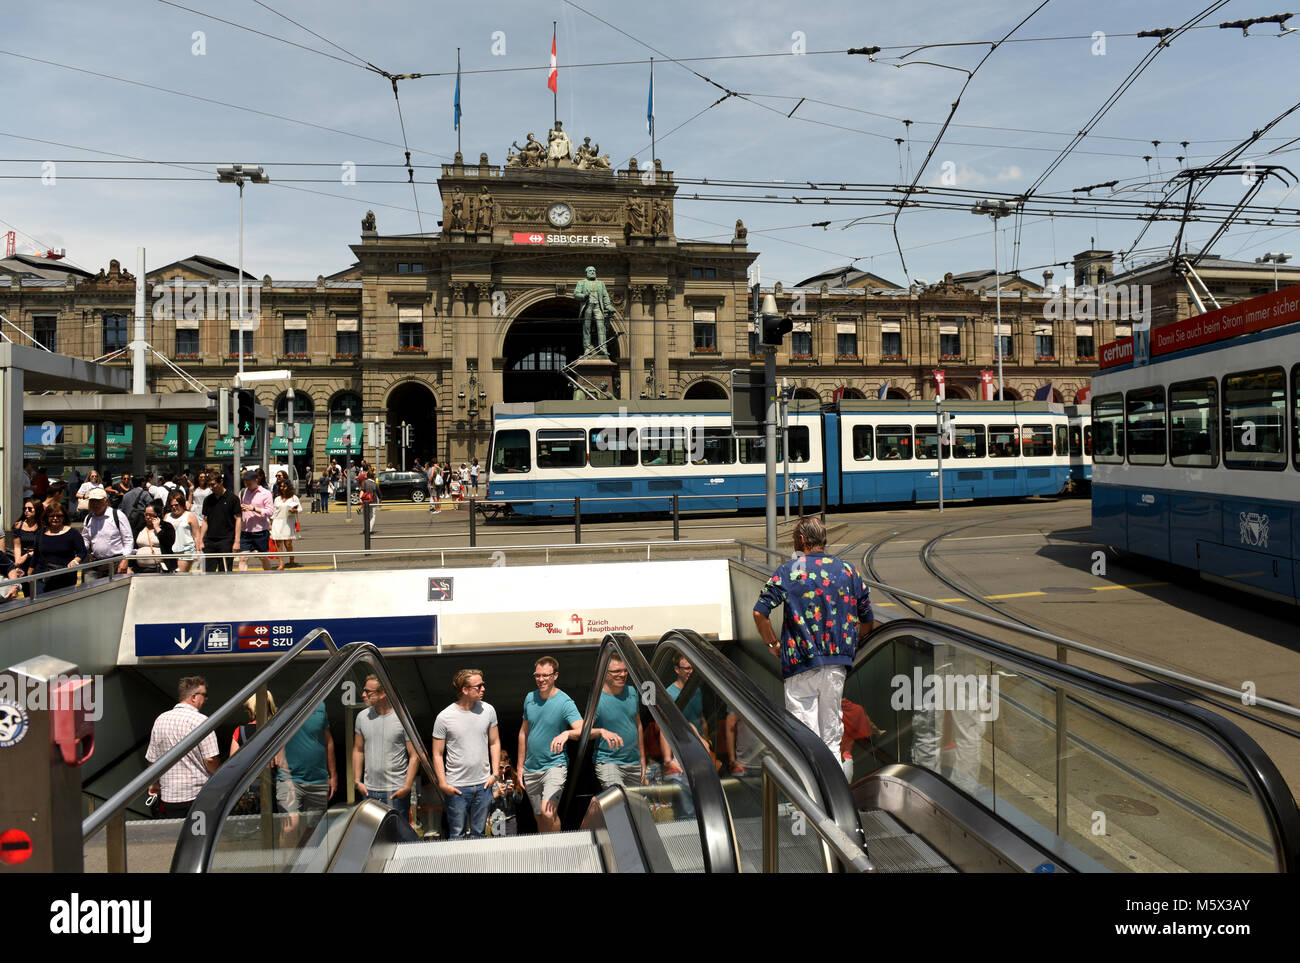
437, 480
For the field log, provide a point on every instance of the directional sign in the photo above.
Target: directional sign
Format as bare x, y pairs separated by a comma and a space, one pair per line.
274, 635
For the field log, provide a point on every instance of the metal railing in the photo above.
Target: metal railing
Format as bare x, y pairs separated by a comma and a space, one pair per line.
114, 808
844, 847
108, 566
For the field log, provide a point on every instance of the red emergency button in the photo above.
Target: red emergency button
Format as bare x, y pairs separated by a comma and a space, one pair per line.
15, 847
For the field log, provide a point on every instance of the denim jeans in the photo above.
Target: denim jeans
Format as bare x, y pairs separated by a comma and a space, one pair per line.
468, 811
684, 803
403, 808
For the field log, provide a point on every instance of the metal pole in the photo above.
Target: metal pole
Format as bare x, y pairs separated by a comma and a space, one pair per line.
771, 856
348, 428
1062, 747
769, 435
938, 438
997, 281
366, 508
577, 520
138, 342
785, 448
237, 449
787, 495
677, 519
473, 526
288, 430
823, 487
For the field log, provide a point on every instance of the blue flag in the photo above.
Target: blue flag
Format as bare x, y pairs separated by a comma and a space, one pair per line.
882, 391
456, 123
650, 104
1044, 393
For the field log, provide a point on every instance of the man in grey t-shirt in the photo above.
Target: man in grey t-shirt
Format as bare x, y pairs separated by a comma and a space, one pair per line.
383, 759
466, 755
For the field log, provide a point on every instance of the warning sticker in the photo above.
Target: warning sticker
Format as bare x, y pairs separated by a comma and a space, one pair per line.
13, 724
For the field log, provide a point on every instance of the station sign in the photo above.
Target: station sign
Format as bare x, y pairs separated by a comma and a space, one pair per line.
562, 240
273, 636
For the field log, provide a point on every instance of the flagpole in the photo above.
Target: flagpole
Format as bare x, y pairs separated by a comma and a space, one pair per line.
652, 117
555, 94
457, 100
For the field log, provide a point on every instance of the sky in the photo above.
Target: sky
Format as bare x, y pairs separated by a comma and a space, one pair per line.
204, 92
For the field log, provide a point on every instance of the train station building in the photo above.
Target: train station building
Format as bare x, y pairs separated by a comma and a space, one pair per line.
432, 329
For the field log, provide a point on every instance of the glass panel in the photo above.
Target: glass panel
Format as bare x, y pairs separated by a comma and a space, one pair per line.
801, 344
970, 441
1194, 423
712, 446
846, 345
926, 444
1087, 440
1085, 347
950, 345
1076, 441
800, 449
862, 445
1254, 414
894, 442
1037, 440
510, 452
1146, 426
1108, 429
1004, 441
1062, 439
613, 448
561, 448
664, 445
753, 451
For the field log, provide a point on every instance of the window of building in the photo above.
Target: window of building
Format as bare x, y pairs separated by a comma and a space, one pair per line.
45, 330
706, 329
801, 344
891, 339
1044, 342
894, 443
950, 345
187, 342
862, 443
410, 331
1254, 419
234, 342
927, 445
969, 441
510, 452
295, 334
403, 268
417, 267
1108, 429
561, 448
704, 274
1004, 343
1004, 441
846, 339
664, 445
1194, 423
712, 446
613, 447
347, 337
1085, 348
115, 332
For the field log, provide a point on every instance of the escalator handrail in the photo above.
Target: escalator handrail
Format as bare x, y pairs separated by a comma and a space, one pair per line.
1258, 770
152, 773
797, 746
220, 793
712, 811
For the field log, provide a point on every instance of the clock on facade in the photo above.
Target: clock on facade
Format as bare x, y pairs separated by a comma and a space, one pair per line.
560, 214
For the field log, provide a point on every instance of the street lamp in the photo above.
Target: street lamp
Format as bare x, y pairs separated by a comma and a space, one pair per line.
996, 209
237, 174
1276, 259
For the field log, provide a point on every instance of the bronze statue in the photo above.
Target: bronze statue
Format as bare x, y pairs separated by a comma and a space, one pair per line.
594, 307
368, 222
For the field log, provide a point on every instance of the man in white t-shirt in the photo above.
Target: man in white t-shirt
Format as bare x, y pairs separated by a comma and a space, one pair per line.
466, 755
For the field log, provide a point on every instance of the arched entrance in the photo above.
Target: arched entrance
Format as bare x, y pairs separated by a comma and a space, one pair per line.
898, 394
852, 394
413, 403
1008, 394
955, 393
706, 390
808, 393
540, 342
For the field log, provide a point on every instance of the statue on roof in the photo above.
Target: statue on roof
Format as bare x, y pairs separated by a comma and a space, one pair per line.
368, 222
558, 145
742, 232
532, 154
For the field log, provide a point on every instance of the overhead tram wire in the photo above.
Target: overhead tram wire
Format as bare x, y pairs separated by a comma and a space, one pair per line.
1147, 59
300, 26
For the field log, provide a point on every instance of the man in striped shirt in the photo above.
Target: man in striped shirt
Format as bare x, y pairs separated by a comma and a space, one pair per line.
180, 784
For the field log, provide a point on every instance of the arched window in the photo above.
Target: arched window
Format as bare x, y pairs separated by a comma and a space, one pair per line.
808, 393
340, 404
706, 389
303, 409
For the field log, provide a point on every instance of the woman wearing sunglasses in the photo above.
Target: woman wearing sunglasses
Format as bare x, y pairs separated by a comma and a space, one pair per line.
58, 547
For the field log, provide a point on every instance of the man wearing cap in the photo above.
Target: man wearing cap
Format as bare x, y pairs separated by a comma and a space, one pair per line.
106, 533
256, 509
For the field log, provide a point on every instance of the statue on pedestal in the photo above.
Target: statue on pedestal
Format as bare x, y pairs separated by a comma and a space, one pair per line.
532, 154
368, 222
558, 145
486, 211
456, 211
594, 307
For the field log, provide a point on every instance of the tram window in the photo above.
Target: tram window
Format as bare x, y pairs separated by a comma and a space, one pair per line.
613, 447
926, 446
510, 453
712, 446
1146, 426
1037, 440
800, 449
1062, 439
862, 445
561, 448
753, 451
894, 443
1076, 441
1087, 439
1004, 441
970, 441
1254, 415
1194, 423
1108, 429
664, 445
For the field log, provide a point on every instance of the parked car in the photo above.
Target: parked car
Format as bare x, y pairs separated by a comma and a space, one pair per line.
394, 485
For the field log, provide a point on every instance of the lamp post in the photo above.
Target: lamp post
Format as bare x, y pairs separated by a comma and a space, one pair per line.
237, 174
1276, 259
348, 429
996, 209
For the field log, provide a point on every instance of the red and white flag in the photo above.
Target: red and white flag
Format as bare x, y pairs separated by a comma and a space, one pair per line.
553, 78
986, 385
939, 384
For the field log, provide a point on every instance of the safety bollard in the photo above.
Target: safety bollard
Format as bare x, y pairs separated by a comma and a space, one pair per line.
365, 523
800, 494
577, 519
473, 527
677, 519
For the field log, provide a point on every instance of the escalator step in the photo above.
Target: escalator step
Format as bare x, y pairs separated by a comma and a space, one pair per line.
876, 823
905, 854
552, 853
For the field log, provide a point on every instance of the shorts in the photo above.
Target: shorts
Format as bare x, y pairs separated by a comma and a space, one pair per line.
545, 784
618, 774
259, 543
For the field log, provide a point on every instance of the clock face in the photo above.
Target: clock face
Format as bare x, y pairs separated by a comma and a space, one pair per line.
560, 214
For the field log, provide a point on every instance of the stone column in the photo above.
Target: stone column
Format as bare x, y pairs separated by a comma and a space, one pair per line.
640, 340
489, 381
662, 373
449, 415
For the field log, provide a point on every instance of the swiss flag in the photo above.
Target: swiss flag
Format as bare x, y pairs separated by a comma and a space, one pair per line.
986, 385
553, 78
938, 384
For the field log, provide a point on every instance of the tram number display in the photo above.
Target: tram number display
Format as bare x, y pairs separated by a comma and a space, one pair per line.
261, 636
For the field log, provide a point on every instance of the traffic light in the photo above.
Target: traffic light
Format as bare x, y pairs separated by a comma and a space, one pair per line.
406, 436
245, 420
775, 328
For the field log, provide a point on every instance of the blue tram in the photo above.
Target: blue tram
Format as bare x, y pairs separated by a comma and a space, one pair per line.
633, 456
1197, 459
1080, 418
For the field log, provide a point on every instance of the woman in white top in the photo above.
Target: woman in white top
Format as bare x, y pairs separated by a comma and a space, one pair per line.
153, 541
83, 503
202, 489
188, 541
283, 520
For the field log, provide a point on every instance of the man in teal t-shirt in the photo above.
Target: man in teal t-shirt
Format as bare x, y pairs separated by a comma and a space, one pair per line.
620, 746
550, 721
306, 773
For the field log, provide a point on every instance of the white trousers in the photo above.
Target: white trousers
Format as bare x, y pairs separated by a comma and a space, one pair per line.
814, 698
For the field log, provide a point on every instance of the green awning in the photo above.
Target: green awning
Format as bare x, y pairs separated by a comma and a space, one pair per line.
334, 443
226, 446
193, 433
280, 446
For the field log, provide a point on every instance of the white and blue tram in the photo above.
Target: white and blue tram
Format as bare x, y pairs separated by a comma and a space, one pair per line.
1080, 418
633, 456
1197, 460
